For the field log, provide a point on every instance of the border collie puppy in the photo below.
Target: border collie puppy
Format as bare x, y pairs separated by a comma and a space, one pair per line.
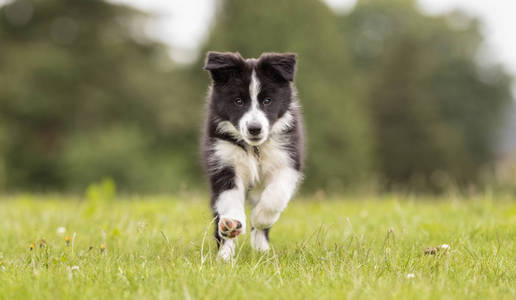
253, 143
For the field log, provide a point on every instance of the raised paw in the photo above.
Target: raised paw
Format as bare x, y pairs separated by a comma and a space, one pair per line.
229, 228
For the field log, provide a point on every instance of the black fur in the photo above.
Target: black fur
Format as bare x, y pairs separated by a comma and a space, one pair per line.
266, 230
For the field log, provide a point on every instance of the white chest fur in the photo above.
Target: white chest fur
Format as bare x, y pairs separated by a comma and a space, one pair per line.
252, 166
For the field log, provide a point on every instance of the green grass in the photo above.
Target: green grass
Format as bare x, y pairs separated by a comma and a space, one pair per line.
162, 247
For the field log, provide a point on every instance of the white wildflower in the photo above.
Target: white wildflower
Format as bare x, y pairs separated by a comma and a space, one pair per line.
75, 268
411, 275
445, 246
61, 230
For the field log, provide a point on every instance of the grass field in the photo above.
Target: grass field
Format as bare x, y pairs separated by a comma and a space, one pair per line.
162, 248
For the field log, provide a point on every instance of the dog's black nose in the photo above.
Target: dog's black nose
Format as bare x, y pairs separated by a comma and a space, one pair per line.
254, 129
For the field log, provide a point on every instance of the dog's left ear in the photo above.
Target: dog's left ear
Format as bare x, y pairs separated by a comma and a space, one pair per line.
283, 65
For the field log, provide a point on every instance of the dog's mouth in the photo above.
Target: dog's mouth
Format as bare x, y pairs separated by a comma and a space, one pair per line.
255, 141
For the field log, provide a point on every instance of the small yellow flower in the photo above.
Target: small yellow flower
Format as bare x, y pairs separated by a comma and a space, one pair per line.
102, 247
67, 240
31, 247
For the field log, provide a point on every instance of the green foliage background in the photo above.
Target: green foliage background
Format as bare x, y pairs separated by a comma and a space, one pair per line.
390, 96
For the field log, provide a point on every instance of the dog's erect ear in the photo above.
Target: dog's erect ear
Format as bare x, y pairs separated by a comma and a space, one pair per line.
223, 65
282, 65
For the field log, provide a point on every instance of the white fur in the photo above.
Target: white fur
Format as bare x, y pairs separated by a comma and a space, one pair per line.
282, 123
227, 127
245, 165
275, 197
231, 205
254, 115
254, 89
259, 240
227, 250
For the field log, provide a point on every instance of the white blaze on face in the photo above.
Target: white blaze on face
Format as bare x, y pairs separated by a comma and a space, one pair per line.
254, 116
254, 88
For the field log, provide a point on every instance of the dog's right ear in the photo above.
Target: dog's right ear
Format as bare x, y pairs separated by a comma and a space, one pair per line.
223, 65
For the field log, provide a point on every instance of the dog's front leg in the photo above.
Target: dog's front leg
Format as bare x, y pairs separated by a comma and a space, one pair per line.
228, 208
274, 199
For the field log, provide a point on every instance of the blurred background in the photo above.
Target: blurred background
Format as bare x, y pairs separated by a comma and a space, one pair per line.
398, 95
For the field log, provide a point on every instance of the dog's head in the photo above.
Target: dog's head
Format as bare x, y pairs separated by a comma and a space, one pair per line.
250, 95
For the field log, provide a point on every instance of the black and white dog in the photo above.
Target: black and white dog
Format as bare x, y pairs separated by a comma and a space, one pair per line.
253, 143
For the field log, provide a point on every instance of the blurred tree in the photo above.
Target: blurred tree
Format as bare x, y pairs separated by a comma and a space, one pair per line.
435, 111
84, 94
337, 126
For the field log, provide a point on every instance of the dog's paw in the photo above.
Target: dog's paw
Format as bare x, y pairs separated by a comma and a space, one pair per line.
230, 228
259, 240
227, 250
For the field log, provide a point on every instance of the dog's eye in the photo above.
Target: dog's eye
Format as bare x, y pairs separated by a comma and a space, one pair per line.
239, 101
267, 101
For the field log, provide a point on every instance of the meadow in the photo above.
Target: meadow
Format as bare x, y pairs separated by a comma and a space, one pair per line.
370, 247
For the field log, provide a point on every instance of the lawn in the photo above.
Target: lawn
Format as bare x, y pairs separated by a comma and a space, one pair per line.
323, 248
